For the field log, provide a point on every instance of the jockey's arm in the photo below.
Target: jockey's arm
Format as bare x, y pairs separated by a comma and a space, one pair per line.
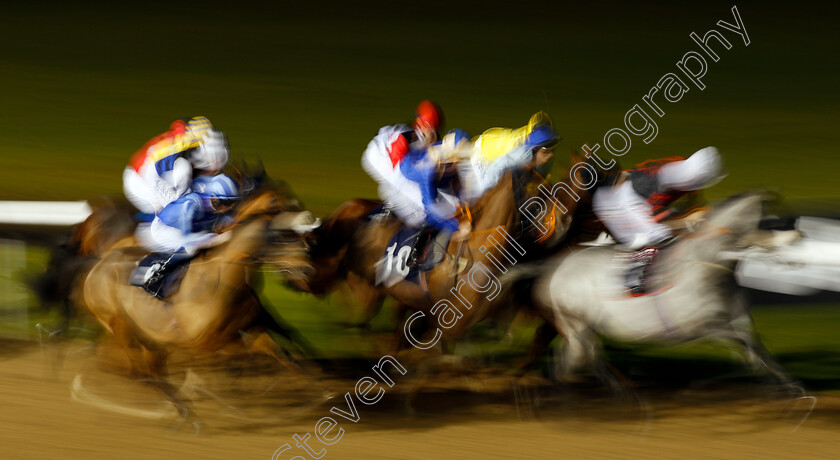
223, 223
417, 167
176, 182
174, 228
194, 242
519, 157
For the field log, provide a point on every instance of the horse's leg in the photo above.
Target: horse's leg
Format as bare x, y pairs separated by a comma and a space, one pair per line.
55, 339
758, 358
571, 355
741, 331
156, 357
267, 321
542, 338
419, 328
123, 335
370, 297
264, 343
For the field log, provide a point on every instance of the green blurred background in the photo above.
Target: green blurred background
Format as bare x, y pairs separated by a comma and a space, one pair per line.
305, 85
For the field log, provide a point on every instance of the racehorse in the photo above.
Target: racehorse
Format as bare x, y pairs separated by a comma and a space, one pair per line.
110, 224
348, 247
216, 302
582, 295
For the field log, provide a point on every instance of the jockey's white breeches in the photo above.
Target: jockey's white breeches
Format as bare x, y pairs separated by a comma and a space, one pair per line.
159, 237
149, 192
627, 216
141, 193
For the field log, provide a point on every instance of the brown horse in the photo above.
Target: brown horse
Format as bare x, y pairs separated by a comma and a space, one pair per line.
347, 248
215, 304
110, 224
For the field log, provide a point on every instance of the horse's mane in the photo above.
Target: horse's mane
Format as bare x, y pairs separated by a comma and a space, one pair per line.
507, 180
254, 181
721, 206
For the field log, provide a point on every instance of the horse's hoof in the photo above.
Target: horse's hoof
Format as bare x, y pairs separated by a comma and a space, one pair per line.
188, 423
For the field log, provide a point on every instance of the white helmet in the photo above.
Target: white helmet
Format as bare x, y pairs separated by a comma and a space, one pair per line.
708, 166
702, 169
212, 153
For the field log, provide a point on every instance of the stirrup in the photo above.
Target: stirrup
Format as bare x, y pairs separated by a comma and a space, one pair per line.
155, 281
154, 285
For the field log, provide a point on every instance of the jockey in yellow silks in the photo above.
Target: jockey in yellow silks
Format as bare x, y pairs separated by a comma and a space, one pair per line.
498, 150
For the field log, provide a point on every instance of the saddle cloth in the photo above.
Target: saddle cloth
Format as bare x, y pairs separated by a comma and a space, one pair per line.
149, 265
406, 255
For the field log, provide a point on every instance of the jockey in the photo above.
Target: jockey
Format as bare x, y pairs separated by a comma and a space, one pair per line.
384, 153
499, 150
628, 209
187, 224
161, 171
427, 167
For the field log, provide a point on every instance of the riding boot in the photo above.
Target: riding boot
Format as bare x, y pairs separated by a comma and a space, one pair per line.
416, 254
437, 249
640, 263
155, 284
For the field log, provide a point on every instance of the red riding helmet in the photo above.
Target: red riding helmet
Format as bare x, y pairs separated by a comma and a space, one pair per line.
429, 113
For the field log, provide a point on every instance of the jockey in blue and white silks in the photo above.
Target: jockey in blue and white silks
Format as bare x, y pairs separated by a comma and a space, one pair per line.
499, 150
424, 167
186, 224
161, 171
384, 153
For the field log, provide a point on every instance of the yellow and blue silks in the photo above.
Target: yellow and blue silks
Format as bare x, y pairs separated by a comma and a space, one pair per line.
496, 142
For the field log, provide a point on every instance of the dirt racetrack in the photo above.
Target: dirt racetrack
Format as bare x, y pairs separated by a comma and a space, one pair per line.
456, 417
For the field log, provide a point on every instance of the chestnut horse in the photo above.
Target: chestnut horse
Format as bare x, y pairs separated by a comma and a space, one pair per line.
347, 248
213, 305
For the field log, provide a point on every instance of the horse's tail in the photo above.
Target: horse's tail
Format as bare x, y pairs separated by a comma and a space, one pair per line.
54, 287
75, 255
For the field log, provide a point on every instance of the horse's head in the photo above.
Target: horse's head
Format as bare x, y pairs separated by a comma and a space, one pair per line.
270, 225
287, 252
725, 225
738, 214
262, 194
553, 209
110, 221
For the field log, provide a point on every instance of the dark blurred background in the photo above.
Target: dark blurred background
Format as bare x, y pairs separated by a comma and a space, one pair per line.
304, 86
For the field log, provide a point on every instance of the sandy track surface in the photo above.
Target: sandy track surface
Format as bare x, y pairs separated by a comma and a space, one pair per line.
248, 410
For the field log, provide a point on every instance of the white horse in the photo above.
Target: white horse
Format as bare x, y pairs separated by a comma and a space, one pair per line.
583, 295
